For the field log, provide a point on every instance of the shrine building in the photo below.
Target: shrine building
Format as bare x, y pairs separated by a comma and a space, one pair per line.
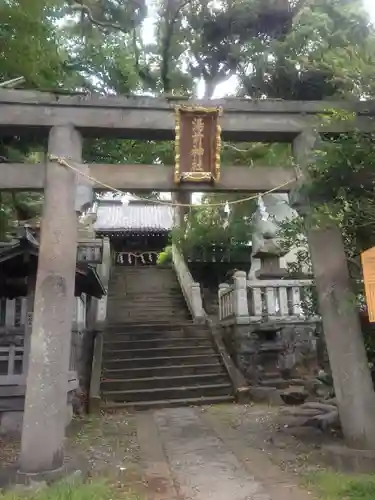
138, 229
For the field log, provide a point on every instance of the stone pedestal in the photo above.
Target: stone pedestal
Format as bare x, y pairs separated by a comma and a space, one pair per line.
269, 268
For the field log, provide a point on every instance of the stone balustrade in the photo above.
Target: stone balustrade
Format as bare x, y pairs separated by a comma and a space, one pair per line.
226, 301
268, 326
190, 288
257, 301
280, 300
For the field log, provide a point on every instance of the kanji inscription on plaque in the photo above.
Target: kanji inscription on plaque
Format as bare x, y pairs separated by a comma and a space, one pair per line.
198, 144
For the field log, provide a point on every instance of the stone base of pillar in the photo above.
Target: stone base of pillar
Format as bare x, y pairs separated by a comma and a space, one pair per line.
95, 405
70, 472
29, 478
246, 351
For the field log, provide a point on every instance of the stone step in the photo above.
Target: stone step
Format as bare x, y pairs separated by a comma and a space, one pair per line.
143, 313
165, 371
149, 336
156, 352
130, 305
147, 302
113, 344
152, 301
167, 290
165, 393
151, 288
153, 325
160, 284
121, 384
142, 316
155, 294
140, 335
135, 318
169, 311
148, 362
169, 403
144, 299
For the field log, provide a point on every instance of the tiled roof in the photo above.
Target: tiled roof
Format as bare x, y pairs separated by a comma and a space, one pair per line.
135, 216
87, 279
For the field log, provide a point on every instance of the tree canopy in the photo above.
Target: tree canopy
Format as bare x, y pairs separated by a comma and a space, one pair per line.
301, 49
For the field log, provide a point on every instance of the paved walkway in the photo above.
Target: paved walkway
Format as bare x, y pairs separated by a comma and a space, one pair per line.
189, 456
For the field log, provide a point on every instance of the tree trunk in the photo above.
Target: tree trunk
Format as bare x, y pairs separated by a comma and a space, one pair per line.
342, 330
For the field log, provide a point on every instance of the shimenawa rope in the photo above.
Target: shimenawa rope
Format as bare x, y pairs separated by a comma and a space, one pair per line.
63, 162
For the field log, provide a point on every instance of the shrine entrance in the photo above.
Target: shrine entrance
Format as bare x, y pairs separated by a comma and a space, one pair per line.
68, 183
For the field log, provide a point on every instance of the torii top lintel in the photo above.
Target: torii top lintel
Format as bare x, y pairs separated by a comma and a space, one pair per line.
139, 117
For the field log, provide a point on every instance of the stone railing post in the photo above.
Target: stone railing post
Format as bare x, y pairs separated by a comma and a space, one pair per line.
100, 319
196, 302
96, 373
222, 288
241, 308
190, 289
104, 273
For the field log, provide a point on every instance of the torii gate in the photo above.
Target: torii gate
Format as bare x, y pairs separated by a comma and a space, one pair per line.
65, 120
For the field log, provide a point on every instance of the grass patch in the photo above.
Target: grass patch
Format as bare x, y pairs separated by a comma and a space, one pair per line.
333, 486
95, 490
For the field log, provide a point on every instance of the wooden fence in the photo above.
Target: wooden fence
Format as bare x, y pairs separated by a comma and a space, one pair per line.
13, 320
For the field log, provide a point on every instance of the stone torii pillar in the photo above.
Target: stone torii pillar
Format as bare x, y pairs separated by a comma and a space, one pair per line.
342, 330
45, 411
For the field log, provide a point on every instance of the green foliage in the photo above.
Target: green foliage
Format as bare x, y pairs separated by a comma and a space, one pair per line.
95, 490
128, 151
212, 226
328, 51
29, 46
17, 207
342, 179
332, 486
165, 257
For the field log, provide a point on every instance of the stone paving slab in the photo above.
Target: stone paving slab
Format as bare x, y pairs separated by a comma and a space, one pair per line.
203, 467
279, 484
159, 483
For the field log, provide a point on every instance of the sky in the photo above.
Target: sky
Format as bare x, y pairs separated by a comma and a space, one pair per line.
370, 6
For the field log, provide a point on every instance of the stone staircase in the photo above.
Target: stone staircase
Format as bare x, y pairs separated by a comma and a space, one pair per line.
154, 356
145, 295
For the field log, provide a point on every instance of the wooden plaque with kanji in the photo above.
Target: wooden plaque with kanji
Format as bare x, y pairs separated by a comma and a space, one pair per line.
368, 269
198, 144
